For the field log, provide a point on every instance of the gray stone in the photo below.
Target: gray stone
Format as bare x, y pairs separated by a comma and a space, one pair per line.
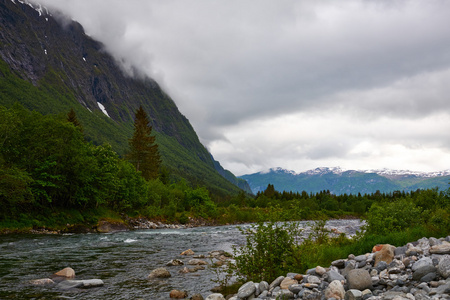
215, 296
43, 281
443, 248
313, 279
285, 295
382, 265
359, 279
425, 261
444, 266
295, 288
353, 295
89, 283
332, 275
434, 241
390, 295
276, 282
361, 257
175, 262
423, 271
340, 263
443, 289
400, 251
197, 262
350, 265
246, 290
263, 286
429, 277
335, 290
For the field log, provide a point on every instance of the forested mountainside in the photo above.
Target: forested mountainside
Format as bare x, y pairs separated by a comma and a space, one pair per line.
51, 66
340, 182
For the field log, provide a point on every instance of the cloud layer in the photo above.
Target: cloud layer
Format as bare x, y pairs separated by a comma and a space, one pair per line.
294, 84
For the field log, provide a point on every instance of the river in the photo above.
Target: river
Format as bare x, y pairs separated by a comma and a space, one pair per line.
123, 260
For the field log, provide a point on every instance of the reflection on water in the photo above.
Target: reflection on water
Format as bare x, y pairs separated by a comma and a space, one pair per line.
122, 260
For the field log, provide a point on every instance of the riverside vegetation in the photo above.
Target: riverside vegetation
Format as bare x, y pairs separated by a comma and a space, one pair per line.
51, 176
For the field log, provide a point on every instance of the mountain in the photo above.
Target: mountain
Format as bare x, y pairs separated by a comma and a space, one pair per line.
339, 181
50, 65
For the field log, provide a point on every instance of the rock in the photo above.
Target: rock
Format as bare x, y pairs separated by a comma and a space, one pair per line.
298, 277
70, 284
320, 270
443, 289
287, 282
246, 290
359, 279
335, 290
263, 286
386, 254
425, 261
340, 263
185, 270
197, 297
43, 281
159, 273
443, 248
333, 275
175, 262
197, 262
215, 296
423, 271
285, 295
444, 267
313, 279
66, 272
276, 282
353, 295
187, 252
178, 294
382, 265
104, 226
295, 288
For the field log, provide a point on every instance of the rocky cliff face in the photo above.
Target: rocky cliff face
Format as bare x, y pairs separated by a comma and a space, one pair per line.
59, 59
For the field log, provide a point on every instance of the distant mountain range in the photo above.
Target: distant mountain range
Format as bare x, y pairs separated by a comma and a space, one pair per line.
339, 181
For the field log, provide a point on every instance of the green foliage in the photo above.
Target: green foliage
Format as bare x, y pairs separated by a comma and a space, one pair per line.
268, 252
144, 153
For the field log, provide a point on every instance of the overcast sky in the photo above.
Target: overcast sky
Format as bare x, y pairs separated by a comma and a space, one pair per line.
293, 84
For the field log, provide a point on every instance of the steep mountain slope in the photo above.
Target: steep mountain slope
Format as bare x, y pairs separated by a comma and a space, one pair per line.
52, 66
349, 182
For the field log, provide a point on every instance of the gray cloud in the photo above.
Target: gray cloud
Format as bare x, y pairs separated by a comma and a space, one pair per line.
235, 65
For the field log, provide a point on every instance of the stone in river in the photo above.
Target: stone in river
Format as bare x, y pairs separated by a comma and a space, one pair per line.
66, 272
187, 252
176, 294
43, 281
215, 296
175, 262
197, 262
159, 273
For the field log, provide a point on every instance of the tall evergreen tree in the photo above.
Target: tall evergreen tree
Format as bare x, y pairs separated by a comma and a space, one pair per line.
144, 154
72, 118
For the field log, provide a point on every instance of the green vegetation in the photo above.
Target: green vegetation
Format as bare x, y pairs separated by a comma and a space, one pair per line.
397, 218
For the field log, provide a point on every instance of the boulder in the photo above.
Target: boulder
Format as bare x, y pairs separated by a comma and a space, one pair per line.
295, 288
287, 282
215, 296
285, 295
359, 279
187, 252
197, 262
335, 290
175, 262
276, 282
105, 226
263, 286
197, 297
423, 271
353, 295
246, 290
386, 254
66, 272
320, 270
176, 294
89, 283
444, 267
159, 273
333, 275
313, 279
443, 248
43, 281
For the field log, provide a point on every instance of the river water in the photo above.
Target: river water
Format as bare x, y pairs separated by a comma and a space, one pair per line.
123, 260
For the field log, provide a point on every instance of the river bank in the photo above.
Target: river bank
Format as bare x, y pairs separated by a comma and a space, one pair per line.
419, 270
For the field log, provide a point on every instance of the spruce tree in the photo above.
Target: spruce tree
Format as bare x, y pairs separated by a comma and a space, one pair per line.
144, 154
72, 118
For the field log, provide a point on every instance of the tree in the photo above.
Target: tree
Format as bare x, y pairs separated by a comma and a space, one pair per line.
72, 118
144, 154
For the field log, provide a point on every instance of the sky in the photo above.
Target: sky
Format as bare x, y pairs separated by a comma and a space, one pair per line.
293, 84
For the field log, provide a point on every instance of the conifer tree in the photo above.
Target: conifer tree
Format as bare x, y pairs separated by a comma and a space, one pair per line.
72, 118
144, 154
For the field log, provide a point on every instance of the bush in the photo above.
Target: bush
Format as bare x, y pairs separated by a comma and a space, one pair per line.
268, 252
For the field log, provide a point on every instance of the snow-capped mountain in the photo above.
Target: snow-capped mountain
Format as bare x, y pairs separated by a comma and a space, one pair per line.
340, 181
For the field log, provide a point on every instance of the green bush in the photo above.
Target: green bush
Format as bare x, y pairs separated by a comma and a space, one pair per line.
268, 252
